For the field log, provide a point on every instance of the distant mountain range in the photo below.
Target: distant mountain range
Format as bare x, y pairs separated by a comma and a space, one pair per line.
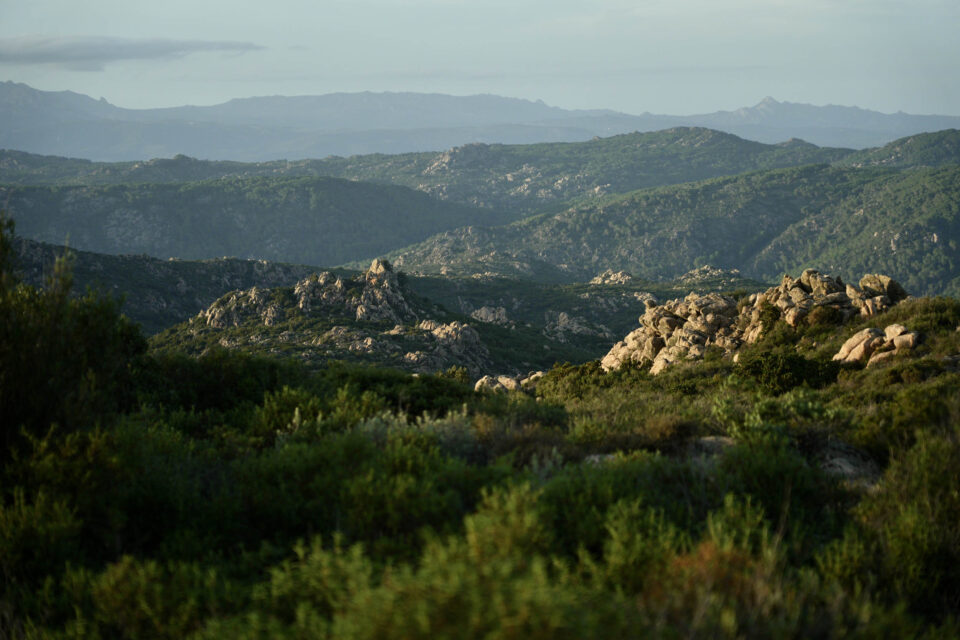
268, 128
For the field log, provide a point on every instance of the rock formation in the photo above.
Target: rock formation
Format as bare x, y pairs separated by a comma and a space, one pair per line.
612, 277
686, 328
871, 345
362, 307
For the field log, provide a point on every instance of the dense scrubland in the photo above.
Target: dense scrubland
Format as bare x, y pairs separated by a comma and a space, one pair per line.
154, 494
231, 477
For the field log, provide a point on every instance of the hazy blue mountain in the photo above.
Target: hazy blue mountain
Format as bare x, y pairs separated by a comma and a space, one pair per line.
266, 128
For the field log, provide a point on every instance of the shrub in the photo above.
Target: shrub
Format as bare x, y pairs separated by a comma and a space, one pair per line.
62, 360
139, 599
914, 521
780, 369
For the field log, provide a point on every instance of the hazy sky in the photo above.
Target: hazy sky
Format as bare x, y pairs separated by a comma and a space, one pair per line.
663, 56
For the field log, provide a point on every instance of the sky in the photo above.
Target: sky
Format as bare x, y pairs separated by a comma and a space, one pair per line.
660, 56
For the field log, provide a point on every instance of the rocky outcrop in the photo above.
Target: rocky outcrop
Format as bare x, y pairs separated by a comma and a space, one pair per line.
493, 315
677, 329
374, 297
610, 277
381, 299
239, 307
686, 328
451, 343
560, 326
362, 307
509, 382
872, 346
707, 272
497, 383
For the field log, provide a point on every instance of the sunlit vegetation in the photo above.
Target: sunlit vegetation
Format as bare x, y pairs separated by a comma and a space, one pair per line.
161, 495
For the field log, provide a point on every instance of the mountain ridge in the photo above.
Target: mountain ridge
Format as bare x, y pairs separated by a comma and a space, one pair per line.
61, 123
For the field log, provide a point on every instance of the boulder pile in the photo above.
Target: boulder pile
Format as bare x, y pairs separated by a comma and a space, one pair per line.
685, 328
871, 345
509, 383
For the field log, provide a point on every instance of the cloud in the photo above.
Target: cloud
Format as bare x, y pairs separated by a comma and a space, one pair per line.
92, 53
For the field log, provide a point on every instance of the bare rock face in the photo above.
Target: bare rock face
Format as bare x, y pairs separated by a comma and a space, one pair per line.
238, 307
676, 330
497, 383
320, 291
685, 328
707, 272
381, 299
860, 346
492, 315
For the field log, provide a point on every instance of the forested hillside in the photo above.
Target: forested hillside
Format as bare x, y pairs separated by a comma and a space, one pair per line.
765, 223
516, 178
322, 221
935, 149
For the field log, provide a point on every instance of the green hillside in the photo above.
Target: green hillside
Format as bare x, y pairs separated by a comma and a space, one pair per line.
518, 178
922, 150
764, 223
321, 221
149, 494
155, 293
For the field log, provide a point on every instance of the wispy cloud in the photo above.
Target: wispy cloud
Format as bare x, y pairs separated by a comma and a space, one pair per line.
92, 53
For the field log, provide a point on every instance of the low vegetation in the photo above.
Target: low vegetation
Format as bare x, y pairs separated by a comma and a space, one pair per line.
149, 494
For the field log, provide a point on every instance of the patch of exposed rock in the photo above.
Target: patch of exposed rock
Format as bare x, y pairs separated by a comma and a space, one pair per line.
239, 307
508, 382
685, 328
610, 276
381, 299
706, 272
492, 315
561, 325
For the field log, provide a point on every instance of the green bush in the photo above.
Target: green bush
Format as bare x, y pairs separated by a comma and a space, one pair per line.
914, 523
146, 599
780, 369
63, 360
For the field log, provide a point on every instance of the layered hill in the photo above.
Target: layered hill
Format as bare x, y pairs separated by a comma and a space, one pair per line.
519, 178
516, 178
906, 224
322, 221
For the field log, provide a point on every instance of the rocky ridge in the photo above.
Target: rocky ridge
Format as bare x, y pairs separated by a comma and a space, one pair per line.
685, 328
372, 317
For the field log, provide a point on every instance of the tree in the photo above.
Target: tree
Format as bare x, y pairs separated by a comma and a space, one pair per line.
63, 360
